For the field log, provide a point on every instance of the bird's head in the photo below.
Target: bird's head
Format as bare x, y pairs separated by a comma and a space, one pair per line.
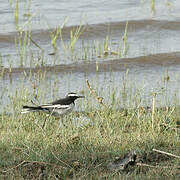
74, 96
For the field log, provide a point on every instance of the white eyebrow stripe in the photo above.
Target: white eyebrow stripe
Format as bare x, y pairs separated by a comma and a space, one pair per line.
74, 95
55, 106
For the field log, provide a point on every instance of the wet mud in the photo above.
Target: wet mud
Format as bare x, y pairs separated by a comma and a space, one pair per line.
122, 64
98, 30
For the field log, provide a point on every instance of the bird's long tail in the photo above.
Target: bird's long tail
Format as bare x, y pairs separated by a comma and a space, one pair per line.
27, 109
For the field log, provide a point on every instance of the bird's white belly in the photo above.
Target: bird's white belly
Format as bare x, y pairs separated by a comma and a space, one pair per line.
63, 111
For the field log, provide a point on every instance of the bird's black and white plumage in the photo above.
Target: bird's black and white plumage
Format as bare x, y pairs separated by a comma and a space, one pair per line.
56, 108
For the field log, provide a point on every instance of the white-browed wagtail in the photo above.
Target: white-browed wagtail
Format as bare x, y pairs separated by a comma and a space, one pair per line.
57, 108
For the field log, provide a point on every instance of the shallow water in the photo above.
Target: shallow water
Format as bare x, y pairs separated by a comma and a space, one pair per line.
52, 13
152, 51
132, 88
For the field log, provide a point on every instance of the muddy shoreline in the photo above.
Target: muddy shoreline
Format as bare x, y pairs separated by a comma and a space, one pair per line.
165, 60
97, 30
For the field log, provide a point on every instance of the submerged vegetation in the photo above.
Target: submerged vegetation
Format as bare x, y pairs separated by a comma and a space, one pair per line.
103, 129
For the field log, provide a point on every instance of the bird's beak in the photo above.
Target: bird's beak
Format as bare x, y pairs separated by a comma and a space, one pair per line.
81, 96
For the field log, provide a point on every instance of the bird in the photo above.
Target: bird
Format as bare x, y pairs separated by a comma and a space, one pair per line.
56, 108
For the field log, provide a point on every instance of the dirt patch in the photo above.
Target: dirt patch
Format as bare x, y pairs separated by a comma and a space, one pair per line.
153, 158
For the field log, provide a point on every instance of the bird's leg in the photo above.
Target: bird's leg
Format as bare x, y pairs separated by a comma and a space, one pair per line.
61, 123
46, 118
44, 123
52, 111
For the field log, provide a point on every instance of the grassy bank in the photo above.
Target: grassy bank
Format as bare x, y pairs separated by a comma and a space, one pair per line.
84, 150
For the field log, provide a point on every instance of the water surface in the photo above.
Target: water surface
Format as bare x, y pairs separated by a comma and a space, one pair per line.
152, 51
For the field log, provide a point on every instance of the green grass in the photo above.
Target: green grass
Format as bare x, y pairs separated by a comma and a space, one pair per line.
83, 152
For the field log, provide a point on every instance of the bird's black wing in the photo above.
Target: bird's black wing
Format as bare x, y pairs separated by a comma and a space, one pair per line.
64, 101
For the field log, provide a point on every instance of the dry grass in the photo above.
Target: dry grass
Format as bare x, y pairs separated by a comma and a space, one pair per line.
81, 152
